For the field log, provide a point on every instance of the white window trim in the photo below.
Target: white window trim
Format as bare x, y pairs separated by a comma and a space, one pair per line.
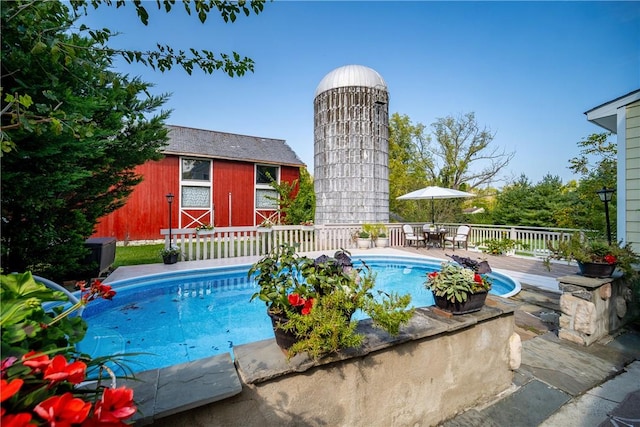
264, 186
195, 183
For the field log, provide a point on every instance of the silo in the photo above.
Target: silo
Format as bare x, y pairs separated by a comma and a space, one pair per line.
351, 147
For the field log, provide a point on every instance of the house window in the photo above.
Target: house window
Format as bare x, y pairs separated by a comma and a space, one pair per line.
195, 184
266, 195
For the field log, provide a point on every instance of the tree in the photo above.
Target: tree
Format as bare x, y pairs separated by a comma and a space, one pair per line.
525, 204
510, 202
460, 146
19, 108
409, 160
296, 200
78, 131
597, 165
458, 155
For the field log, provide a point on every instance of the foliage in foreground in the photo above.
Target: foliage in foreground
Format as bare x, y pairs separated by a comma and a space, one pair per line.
41, 369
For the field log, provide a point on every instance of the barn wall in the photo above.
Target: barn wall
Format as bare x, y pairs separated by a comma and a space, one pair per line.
238, 179
146, 210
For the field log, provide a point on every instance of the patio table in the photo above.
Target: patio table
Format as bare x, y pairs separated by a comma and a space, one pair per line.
434, 238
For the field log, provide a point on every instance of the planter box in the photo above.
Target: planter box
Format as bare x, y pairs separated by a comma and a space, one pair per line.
170, 259
596, 269
474, 302
363, 243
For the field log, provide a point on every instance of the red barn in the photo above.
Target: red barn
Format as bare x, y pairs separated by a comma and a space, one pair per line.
217, 178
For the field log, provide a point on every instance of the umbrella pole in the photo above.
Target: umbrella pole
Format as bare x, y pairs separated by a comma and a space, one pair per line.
433, 214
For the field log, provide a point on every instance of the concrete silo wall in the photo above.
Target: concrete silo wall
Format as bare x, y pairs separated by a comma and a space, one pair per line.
351, 155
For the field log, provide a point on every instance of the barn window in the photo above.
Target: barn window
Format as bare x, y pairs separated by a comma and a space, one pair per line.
195, 183
197, 170
266, 195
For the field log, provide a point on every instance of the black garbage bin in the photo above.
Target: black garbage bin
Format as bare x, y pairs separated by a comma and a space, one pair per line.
101, 257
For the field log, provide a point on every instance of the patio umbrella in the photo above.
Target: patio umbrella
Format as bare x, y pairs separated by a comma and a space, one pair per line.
432, 193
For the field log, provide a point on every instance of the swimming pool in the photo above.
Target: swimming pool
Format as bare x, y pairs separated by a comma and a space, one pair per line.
183, 316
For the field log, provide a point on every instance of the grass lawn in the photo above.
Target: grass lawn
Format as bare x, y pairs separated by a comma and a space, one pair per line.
134, 255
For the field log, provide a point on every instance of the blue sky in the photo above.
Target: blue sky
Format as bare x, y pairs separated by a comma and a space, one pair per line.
528, 70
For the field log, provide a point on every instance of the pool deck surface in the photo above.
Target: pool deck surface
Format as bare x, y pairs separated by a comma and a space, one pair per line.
558, 382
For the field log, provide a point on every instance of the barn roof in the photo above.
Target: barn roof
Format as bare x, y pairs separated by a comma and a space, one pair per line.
184, 141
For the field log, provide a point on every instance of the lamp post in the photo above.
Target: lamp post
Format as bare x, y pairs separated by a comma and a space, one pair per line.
170, 200
605, 196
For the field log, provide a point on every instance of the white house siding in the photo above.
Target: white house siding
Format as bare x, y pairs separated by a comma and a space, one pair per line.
632, 178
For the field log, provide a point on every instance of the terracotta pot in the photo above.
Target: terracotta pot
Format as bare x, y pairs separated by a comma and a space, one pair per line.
473, 303
284, 339
598, 270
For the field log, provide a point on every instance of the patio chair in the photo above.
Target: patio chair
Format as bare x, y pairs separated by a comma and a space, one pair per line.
461, 236
411, 236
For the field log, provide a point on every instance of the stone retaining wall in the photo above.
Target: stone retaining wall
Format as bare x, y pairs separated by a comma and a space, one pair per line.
593, 308
435, 368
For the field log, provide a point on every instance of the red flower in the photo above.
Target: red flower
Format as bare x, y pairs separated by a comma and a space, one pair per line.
116, 405
22, 419
8, 389
63, 411
432, 275
36, 361
296, 300
477, 278
610, 259
6, 364
96, 290
59, 370
308, 305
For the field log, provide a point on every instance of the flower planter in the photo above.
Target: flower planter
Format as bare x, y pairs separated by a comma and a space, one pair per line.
382, 242
284, 339
364, 243
170, 259
597, 270
473, 303
265, 229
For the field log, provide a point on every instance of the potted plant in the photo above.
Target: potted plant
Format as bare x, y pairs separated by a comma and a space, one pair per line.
204, 228
378, 233
170, 255
265, 226
307, 225
458, 289
595, 258
500, 246
363, 239
311, 301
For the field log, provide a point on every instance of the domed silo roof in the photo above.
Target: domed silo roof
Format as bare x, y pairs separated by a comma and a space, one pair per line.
351, 75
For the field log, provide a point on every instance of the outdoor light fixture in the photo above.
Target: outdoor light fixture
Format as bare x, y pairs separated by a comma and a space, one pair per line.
170, 200
606, 194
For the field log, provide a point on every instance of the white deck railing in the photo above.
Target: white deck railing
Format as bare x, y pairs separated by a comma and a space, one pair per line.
231, 242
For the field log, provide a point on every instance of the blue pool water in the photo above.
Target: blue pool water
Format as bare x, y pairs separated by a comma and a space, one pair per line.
179, 317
